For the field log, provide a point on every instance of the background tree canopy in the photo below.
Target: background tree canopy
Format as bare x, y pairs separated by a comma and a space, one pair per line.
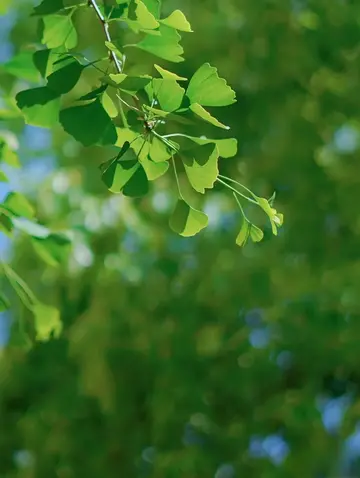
190, 357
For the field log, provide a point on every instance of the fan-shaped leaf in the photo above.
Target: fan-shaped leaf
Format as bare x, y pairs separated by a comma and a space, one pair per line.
206, 116
166, 45
178, 21
201, 166
59, 31
168, 75
89, 124
64, 79
207, 89
186, 220
40, 106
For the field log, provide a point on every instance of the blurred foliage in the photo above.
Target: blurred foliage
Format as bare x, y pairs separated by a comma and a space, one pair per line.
178, 357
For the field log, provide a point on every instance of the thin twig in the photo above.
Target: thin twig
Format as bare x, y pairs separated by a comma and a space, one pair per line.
105, 26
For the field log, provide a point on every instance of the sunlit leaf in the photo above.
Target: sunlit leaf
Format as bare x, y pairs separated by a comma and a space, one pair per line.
59, 31
207, 89
22, 66
227, 147
144, 19
3, 177
53, 249
165, 46
7, 155
40, 106
154, 170
186, 220
89, 124
206, 116
168, 75
47, 322
167, 92
178, 21
109, 105
18, 205
201, 166
130, 84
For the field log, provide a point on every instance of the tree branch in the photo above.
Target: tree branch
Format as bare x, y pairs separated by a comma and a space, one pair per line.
105, 26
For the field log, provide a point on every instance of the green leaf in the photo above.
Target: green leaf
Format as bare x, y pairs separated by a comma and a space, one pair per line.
110, 46
53, 249
18, 205
201, 166
168, 75
206, 116
64, 79
276, 219
153, 6
178, 21
22, 66
6, 225
249, 230
30, 227
186, 220
43, 61
207, 89
159, 151
130, 84
145, 20
7, 155
126, 176
109, 105
40, 106
89, 124
227, 147
59, 31
167, 92
165, 46
47, 7
3, 177
4, 303
154, 170
92, 95
47, 322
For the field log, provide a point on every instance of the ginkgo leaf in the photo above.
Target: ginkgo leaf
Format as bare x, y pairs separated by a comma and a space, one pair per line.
166, 45
249, 230
227, 147
22, 66
144, 19
40, 106
186, 220
44, 60
201, 166
114, 49
178, 21
92, 95
206, 116
207, 89
59, 31
168, 75
159, 151
64, 79
89, 124
47, 322
154, 170
18, 205
130, 84
167, 92
153, 6
109, 105
276, 219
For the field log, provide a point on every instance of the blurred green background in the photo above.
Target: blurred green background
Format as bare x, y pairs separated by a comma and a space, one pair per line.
193, 358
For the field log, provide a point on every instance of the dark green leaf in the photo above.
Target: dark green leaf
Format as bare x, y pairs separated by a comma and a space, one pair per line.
89, 124
48, 7
92, 95
130, 84
4, 303
64, 79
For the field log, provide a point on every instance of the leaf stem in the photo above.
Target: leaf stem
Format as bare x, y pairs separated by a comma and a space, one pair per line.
236, 191
239, 184
176, 177
25, 294
241, 208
